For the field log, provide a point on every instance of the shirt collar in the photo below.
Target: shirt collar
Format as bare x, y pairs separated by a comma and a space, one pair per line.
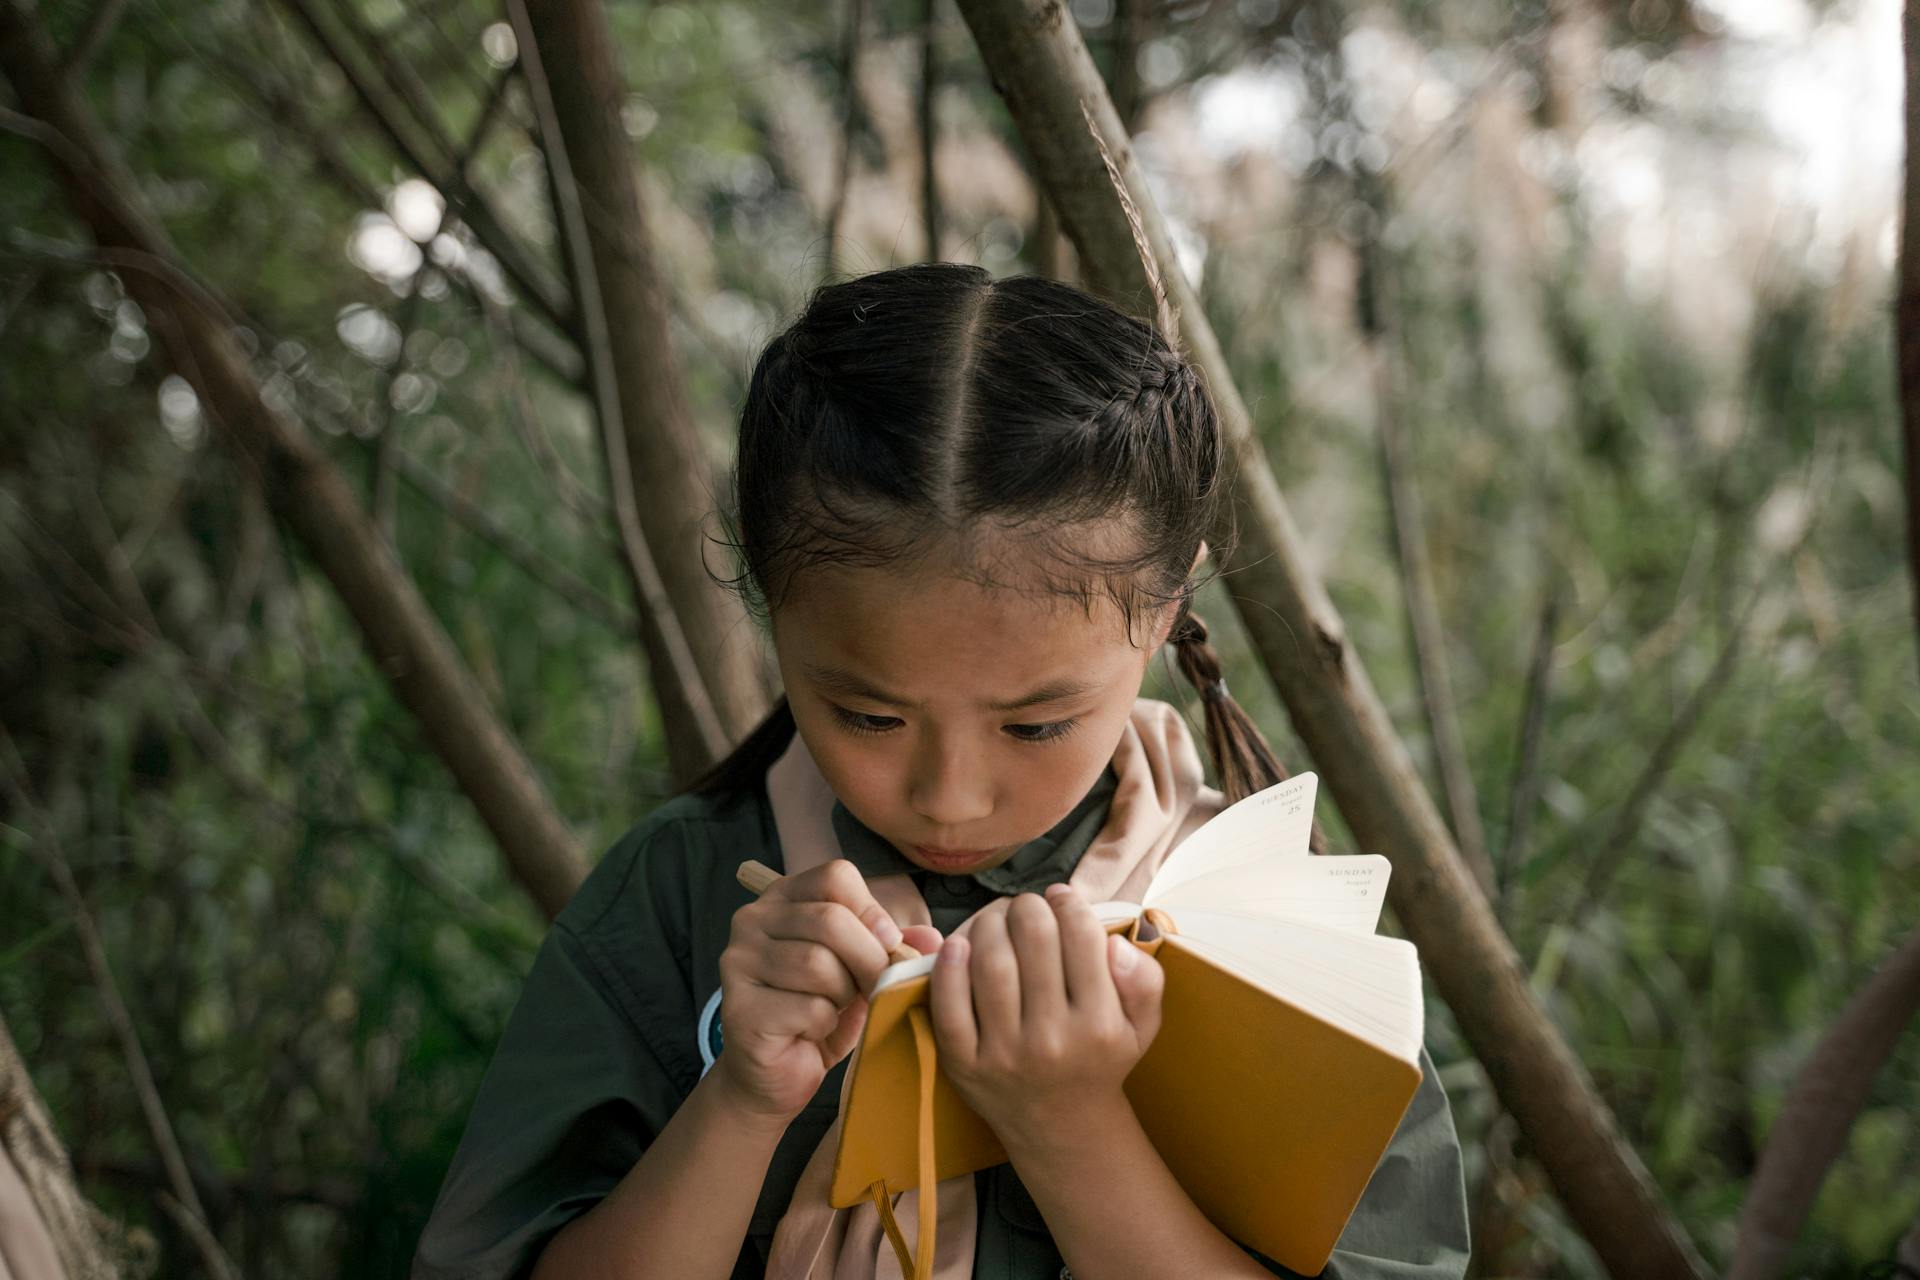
1044, 860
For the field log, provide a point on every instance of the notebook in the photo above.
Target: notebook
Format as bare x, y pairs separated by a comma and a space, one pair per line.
1288, 1050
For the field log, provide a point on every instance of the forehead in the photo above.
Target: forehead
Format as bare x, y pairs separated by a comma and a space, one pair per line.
932, 624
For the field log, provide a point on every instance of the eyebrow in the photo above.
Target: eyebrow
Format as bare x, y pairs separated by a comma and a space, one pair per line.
847, 684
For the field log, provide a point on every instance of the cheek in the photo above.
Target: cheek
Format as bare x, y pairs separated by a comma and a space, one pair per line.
862, 772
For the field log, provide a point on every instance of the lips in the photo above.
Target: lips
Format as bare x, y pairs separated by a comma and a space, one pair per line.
945, 858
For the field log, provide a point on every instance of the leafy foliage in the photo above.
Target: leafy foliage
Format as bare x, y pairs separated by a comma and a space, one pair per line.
314, 933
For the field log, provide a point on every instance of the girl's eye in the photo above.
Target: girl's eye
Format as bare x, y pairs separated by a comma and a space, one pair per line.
859, 722
1042, 732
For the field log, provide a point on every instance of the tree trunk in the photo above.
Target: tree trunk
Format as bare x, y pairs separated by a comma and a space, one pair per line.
668, 468
47, 1228
1041, 67
402, 637
1819, 1111
694, 735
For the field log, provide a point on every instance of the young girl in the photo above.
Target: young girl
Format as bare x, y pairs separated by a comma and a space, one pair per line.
972, 511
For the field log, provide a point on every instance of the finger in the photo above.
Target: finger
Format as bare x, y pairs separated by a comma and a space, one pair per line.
998, 907
777, 1014
1083, 948
834, 926
951, 998
994, 973
807, 967
1139, 980
838, 880
1036, 948
923, 938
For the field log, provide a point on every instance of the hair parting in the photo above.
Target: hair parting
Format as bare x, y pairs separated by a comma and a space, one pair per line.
931, 409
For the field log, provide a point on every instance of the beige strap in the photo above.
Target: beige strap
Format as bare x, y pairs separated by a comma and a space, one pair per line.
920, 1266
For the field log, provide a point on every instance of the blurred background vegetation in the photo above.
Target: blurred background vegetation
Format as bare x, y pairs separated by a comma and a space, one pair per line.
1615, 275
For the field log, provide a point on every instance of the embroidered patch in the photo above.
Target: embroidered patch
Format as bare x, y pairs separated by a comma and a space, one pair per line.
709, 1032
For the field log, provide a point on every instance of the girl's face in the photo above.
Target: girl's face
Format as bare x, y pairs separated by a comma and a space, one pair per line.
956, 720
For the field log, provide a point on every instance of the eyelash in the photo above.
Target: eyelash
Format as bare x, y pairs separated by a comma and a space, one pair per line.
857, 722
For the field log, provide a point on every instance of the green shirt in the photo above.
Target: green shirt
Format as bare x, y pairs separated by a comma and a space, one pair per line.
603, 1047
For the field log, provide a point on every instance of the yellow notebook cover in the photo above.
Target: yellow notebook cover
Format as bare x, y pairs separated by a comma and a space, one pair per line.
1271, 1119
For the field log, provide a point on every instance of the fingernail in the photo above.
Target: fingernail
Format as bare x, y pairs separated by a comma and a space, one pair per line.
1126, 955
1055, 890
953, 951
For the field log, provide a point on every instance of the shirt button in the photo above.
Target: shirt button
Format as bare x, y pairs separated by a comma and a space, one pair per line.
957, 884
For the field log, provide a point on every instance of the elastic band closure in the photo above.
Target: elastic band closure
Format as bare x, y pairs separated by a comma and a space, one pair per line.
917, 1267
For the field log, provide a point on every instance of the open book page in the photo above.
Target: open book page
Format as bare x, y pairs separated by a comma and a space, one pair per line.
1251, 859
1367, 986
1343, 891
1273, 823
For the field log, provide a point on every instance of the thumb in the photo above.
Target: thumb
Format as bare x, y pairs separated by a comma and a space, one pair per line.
1139, 979
846, 1034
923, 938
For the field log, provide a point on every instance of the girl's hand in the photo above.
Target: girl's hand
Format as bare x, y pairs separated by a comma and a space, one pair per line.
792, 978
1039, 1015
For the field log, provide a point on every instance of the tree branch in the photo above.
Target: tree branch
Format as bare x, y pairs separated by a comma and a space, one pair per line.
404, 640
681, 688
431, 160
1906, 329
535, 563
1040, 66
668, 468
1819, 1111
106, 16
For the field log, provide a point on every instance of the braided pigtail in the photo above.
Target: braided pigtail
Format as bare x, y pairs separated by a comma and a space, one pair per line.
1240, 753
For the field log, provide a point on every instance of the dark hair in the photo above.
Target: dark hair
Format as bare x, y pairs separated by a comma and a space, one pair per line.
915, 408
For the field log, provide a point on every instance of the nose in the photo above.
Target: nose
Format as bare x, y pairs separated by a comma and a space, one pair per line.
947, 786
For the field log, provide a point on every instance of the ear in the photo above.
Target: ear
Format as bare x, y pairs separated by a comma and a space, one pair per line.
1163, 626
1168, 612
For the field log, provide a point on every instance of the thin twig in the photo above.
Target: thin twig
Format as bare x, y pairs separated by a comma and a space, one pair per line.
1524, 793
283, 111
463, 201
17, 296
1907, 325
106, 16
1378, 320
1127, 30
537, 564
1626, 821
575, 495
45, 848
849, 123
1426, 632
456, 54
400, 76
648, 585
930, 126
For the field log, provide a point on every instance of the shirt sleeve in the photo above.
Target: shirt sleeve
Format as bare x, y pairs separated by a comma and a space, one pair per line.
1411, 1222
576, 1090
